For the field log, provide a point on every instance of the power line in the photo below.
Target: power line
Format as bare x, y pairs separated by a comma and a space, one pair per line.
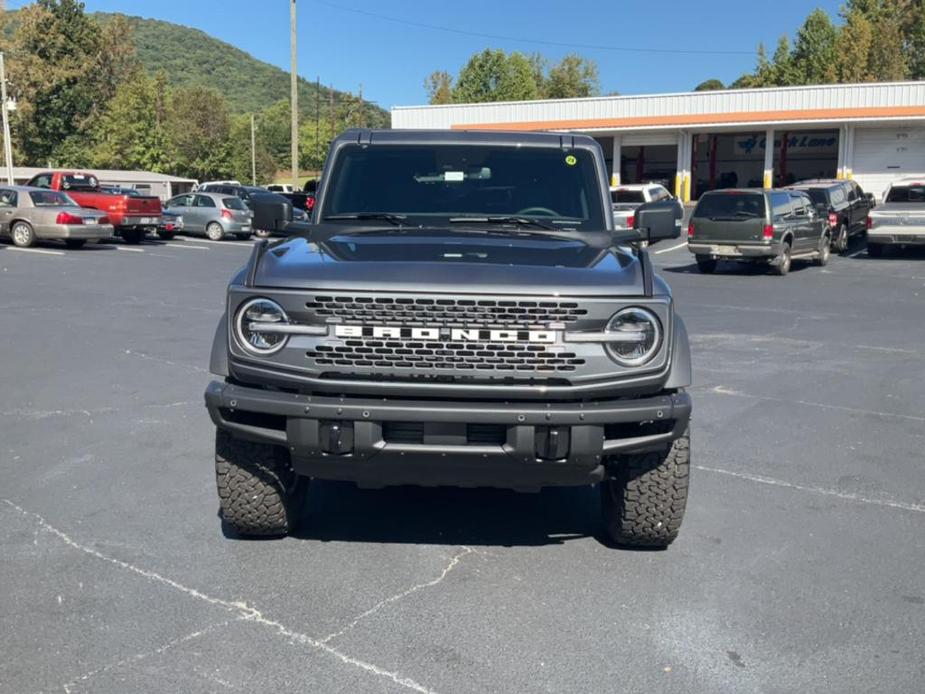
541, 42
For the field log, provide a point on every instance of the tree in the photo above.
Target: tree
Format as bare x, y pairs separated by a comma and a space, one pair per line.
887, 59
711, 85
439, 87
917, 45
492, 75
852, 49
199, 128
240, 153
132, 133
57, 48
813, 56
573, 77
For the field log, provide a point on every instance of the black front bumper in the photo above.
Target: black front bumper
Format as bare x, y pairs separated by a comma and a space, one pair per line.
519, 445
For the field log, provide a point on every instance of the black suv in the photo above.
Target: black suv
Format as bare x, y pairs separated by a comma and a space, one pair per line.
843, 203
474, 321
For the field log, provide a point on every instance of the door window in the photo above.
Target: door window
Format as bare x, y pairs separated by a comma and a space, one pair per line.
799, 205
780, 204
41, 181
179, 201
204, 201
8, 198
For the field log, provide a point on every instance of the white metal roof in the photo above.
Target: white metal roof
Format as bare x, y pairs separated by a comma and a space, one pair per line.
735, 107
20, 172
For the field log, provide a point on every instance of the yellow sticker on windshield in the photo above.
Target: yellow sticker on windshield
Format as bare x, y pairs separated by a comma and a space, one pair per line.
571, 160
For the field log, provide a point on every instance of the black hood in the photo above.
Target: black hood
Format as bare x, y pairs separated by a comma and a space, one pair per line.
437, 261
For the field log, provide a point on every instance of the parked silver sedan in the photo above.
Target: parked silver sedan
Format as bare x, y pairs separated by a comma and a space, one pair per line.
213, 214
30, 214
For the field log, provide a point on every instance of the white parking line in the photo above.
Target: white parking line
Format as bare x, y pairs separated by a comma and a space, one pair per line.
183, 245
35, 250
673, 248
241, 243
130, 250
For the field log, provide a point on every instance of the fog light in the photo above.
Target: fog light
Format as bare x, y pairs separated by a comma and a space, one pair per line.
336, 437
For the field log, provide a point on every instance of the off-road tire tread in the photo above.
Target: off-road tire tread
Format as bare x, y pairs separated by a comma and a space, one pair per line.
644, 503
255, 486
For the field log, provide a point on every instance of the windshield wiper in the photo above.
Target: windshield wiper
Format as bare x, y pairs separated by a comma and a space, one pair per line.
518, 221
396, 219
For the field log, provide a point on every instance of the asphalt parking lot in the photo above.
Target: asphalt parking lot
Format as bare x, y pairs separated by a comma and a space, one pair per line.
800, 567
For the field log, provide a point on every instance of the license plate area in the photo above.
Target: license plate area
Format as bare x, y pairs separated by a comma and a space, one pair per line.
724, 250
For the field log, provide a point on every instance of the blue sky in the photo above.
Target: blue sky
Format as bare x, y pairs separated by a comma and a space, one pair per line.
392, 59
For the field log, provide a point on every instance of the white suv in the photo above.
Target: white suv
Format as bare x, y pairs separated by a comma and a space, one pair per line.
625, 199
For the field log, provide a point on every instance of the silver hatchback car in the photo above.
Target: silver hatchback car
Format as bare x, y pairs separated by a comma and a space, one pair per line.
212, 214
31, 214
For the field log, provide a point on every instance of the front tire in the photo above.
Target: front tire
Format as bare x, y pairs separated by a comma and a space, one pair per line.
824, 252
643, 503
258, 492
840, 245
166, 235
22, 234
215, 232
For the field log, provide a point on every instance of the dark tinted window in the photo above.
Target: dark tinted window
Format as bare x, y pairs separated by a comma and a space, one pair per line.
234, 204
627, 196
79, 182
820, 196
852, 193
442, 181
731, 205
8, 198
780, 204
41, 181
913, 193
50, 198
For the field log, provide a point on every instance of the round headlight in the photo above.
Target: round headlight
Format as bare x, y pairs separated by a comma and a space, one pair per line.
255, 325
637, 336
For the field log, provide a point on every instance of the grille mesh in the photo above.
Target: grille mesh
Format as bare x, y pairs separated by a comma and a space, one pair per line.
448, 312
451, 356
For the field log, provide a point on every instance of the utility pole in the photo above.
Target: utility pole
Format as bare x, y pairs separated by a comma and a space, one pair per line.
333, 111
253, 152
294, 96
362, 121
7, 145
317, 150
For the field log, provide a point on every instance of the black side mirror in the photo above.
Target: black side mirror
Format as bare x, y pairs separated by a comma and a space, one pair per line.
658, 221
271, 212
871, 199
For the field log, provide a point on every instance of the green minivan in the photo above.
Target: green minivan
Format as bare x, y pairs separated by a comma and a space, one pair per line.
760, 226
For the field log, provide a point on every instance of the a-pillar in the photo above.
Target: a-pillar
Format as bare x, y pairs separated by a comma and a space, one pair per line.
615, 165
769, 159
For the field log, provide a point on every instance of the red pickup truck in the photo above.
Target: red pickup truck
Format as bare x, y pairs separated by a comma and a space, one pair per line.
131, 215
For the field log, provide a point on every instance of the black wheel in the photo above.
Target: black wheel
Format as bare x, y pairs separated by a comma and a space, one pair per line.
782, 266
875, 250
840, 244
822, 259
132, 236
705, 264
22, 234
166, 235
257, 489
214, 231
643, 502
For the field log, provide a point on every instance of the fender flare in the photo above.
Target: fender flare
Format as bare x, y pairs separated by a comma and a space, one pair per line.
218, 360
681, 373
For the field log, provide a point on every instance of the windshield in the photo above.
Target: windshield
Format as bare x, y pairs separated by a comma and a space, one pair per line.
737, 205
913, 193
430, 184
50, 198
234, 204
618, 196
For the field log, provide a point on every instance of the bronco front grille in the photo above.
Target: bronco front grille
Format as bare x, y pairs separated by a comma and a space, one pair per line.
450, 356
444, 311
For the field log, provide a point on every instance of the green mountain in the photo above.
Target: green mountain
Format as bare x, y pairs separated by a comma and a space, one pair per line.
190, 57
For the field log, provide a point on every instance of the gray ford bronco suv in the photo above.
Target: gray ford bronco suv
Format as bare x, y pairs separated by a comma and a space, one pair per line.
459, 312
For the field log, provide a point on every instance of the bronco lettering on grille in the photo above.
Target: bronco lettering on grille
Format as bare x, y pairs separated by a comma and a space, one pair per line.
453, 334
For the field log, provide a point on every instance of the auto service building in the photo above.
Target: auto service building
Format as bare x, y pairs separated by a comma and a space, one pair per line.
698, 141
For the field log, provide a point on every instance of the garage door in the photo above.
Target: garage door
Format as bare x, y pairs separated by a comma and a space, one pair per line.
656, 137
881, 155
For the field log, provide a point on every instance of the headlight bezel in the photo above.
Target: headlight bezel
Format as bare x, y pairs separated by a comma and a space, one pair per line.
651, 352
241, 336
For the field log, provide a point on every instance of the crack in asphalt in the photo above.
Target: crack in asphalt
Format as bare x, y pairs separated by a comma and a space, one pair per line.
822, 491
242, 609
145, 654
398, 596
